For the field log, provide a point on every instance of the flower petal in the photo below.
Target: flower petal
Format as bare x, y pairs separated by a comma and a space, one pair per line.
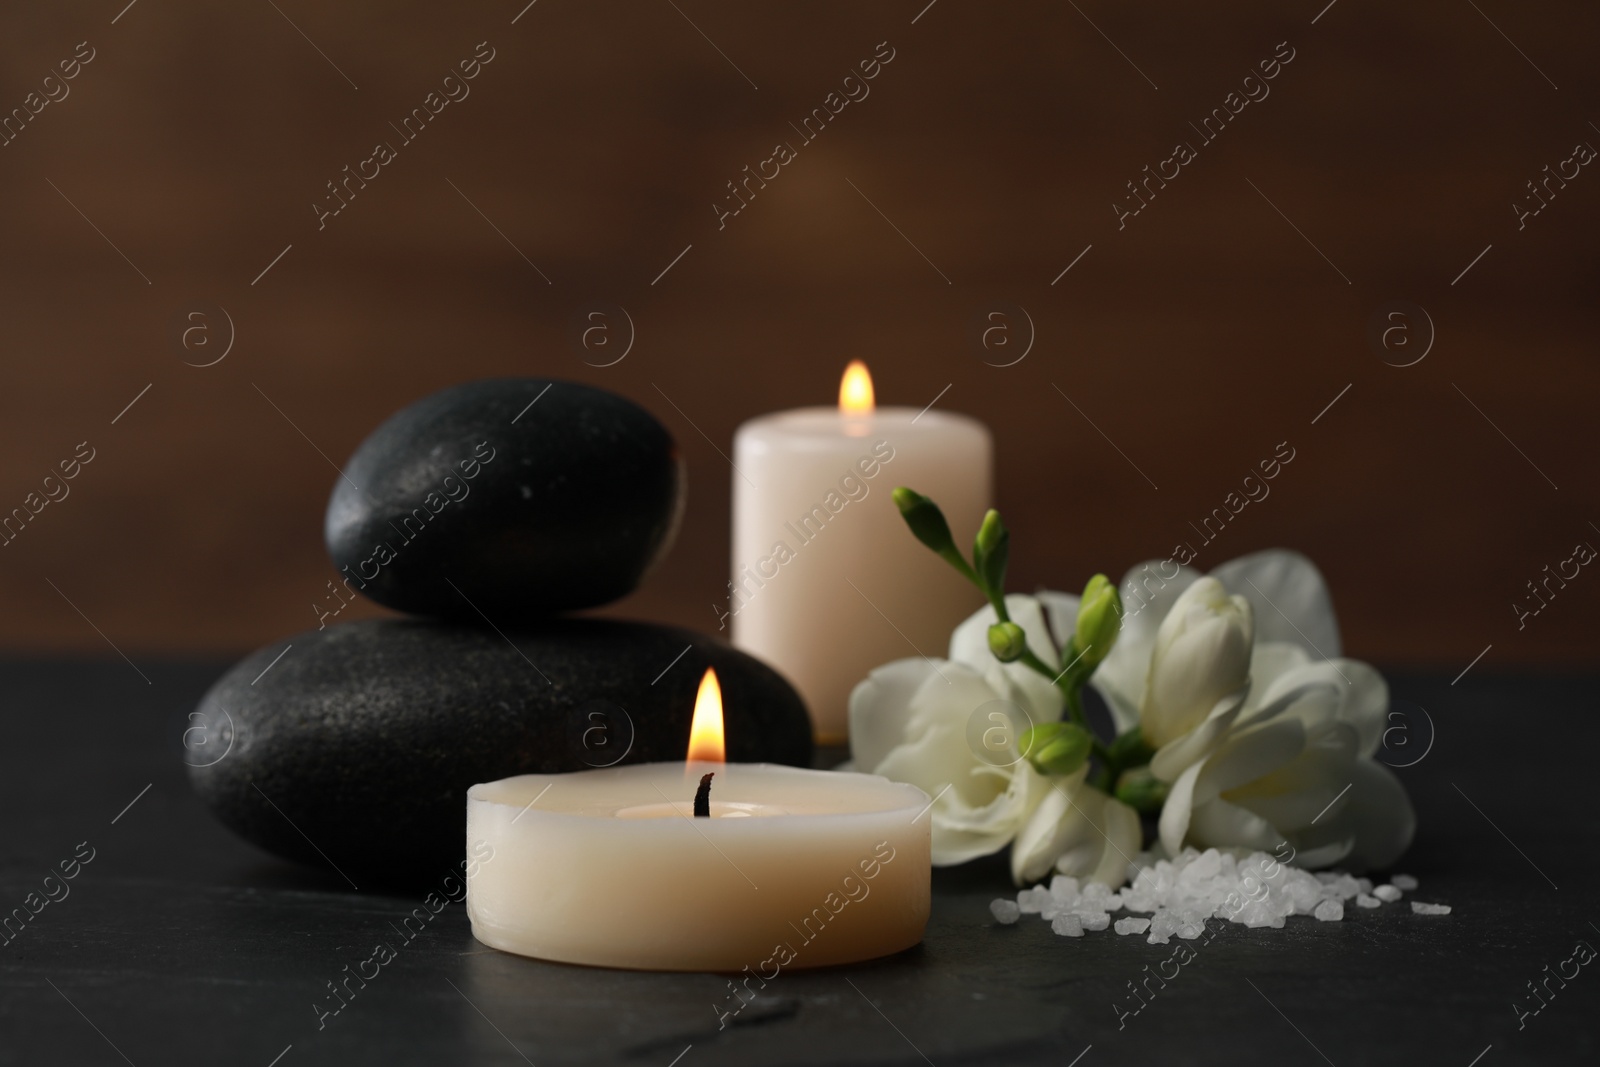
961, 834
1270, 660
1380, 816
1045, 835
1309, 789
880, 709
1202, 653
1081, 832
1178, 810
1362, 695
1123, 834
1219, 824
1175, 756
1250, 754
934, 750
1290, 598
1147, 596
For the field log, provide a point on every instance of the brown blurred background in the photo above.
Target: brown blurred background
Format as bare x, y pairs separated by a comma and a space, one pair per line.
594, 145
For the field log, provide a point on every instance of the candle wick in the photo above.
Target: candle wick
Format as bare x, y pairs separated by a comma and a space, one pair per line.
702, 797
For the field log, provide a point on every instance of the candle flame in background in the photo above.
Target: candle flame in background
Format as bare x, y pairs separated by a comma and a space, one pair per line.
855, 390
705, 733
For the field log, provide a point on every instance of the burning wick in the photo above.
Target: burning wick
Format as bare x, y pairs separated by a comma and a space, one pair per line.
702, 797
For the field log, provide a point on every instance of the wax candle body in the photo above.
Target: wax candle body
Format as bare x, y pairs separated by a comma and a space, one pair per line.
827, 582
794, 869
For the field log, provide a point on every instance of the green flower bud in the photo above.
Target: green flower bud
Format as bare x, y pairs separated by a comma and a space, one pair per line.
928, 525
1007, 641
1141, 790
1099, 619
1056, 747
990, 550
925, 519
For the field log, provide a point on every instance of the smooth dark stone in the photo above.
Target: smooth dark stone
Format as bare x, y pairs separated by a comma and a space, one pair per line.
356, 749
472, 503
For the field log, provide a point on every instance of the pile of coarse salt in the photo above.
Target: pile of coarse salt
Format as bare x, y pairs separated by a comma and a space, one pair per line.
1181, 894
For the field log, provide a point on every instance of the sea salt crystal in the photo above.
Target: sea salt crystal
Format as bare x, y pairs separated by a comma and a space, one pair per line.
1207, 866
1067, 926
1347, 886
1181, 892
1305, 895
1032, 901
1005, 911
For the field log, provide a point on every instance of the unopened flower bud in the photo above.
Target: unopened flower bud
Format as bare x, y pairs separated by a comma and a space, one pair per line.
1099, 620
990, 550
1141, 790
928, 525
1007, 641
925, 519
1056, 747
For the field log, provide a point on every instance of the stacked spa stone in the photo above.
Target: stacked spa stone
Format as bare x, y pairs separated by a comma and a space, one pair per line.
482, 512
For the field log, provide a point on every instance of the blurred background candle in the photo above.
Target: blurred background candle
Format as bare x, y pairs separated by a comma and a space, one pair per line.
827, 582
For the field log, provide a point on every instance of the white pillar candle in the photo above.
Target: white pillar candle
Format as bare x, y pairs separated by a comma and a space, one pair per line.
827, 582
793, 868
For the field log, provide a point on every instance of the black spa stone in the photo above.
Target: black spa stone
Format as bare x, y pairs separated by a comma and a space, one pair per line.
508, 499
356, 749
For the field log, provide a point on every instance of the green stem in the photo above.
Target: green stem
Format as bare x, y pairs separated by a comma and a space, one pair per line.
964, 568
1028, 659
1075, 706
1070, 682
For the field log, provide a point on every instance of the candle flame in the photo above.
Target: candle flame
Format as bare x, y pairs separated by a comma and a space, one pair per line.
705, 733
855, 390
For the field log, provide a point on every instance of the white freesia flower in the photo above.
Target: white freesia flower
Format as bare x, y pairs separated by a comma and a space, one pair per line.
1201, 655
911, 721
1080, 831
1289, 760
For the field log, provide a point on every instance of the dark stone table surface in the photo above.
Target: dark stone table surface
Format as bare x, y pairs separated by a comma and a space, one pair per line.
178, 944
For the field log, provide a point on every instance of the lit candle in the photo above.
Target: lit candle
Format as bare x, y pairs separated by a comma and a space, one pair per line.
827, 583
789, 868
